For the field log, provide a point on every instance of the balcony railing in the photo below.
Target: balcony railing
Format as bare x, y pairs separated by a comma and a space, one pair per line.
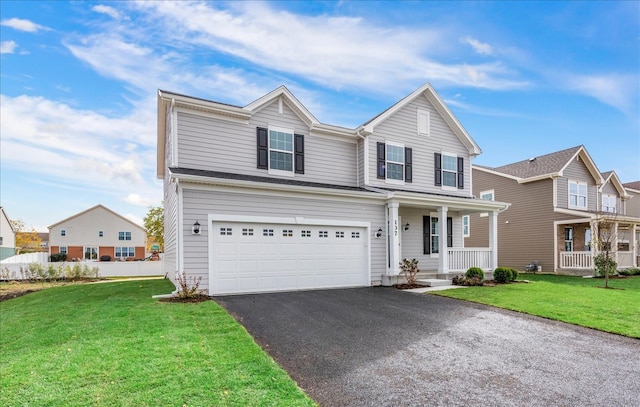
461, 258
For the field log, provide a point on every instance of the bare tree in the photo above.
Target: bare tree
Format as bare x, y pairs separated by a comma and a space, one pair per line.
605, 237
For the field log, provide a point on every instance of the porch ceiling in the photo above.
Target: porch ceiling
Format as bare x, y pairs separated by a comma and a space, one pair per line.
455, 204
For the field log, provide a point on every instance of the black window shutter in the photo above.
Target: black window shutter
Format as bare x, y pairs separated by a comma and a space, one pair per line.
299, 153
381, 160
263, 148
460, 173
408, 165
449, 232
426, 234
438, 168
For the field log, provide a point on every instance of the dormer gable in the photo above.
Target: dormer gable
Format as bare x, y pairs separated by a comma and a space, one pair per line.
283, 95
611, 178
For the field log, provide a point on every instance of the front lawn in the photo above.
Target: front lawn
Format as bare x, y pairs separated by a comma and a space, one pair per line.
575, 300
113, 345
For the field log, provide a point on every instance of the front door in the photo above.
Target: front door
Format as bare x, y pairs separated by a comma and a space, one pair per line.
90, 253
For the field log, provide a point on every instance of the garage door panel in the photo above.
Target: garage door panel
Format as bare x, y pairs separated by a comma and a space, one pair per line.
251, 257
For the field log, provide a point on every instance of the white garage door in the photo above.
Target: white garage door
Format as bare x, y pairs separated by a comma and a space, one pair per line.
260, 257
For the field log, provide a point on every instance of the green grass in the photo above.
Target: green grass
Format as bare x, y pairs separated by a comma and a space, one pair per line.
574, 300
113, 345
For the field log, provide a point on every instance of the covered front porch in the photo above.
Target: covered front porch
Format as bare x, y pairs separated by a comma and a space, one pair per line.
578, 242
431, 229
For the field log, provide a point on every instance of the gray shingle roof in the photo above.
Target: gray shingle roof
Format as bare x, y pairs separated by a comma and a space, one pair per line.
633, 185
541, 165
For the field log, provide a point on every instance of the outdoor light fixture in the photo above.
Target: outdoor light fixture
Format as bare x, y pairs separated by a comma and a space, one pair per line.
196, 228
379, 233
406, 227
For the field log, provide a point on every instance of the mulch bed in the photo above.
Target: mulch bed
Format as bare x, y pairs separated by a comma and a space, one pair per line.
16, 294
408, 286
194, 299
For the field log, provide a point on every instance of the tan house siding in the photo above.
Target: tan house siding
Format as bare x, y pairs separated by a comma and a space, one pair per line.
632, 205
577, 171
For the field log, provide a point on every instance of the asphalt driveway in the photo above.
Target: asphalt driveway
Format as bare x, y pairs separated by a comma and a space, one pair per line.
383, 347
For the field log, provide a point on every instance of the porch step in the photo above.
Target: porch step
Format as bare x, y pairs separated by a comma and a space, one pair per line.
434, 282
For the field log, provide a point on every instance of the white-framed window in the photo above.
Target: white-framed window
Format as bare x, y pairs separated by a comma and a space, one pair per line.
247, 231
609, 203
449, 170
323, 233
340, 235
577, 194
122, 252
587, 240
100, 233
124, 235
395, 162
466, 229
355, 235
63, 249
424, 122
568, 239
435, 236
267, 232
63, 232
487, 195
287, 233
281, 150
305, 233
226, 231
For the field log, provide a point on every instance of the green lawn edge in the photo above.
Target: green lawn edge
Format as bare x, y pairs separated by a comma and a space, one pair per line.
113, 345
575, 300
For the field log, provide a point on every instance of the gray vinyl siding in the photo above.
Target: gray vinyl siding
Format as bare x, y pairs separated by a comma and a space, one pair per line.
198, 204
610, 189
577, 171
528, 235
632, 206
170, 256
209, 143
412, 240
402, 128
361, 168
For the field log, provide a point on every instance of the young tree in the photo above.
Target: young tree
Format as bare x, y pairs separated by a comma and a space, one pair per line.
605, 239
26, 237
154, 224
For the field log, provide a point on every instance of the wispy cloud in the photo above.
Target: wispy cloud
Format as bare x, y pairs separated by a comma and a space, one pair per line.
617, 90
23, 25
108, 10
479, 47
8, 47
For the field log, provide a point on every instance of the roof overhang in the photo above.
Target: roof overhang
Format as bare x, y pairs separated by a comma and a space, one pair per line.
458, 204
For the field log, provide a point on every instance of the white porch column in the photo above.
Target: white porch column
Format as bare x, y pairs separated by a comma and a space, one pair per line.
634, 245
393, 239
443, 257
614, 243
493, 238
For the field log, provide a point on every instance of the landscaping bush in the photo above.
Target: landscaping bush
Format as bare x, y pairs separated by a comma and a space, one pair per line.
514, 274
474, 272
630, 272
58, 257
410, 270
502, 275
466, 281
604, 264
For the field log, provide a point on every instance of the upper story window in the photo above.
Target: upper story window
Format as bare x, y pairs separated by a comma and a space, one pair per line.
394, 162
577, 194
609, 203
100, 233
63, 232
487, 195
124, 235
449, 171
280, 151
466, 220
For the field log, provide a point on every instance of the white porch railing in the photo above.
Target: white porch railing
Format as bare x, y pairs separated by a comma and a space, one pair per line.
625, 259
576, 260
461, 258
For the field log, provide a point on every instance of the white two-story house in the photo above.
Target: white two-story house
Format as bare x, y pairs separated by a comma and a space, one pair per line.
267, 198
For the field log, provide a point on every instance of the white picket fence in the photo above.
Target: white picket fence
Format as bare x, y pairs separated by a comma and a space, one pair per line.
14, 267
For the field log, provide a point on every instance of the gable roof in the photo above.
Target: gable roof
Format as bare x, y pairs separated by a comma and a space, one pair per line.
635, 185
612, 177
7, 218
93, 208
427, 91
283, 93
550, 165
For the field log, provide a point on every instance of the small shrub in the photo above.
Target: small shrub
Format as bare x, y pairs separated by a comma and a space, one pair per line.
466, 281
630, 272
409, 270
604, 264
502, 275
514, 274
188, 287
55, 272
58, 257
624, 273
37, 271
474, 272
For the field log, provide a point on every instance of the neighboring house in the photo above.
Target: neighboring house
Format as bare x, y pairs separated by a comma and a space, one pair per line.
44, 241
98, 232
7, 236
633, 208
266, 198
556, 201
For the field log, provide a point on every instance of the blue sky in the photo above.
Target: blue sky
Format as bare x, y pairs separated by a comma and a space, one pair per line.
79, 81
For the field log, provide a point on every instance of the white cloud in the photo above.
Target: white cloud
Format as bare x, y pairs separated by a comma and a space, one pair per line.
23, 25
479, 47
616, 90
110, 11
135, 219
8, 47
135, 199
